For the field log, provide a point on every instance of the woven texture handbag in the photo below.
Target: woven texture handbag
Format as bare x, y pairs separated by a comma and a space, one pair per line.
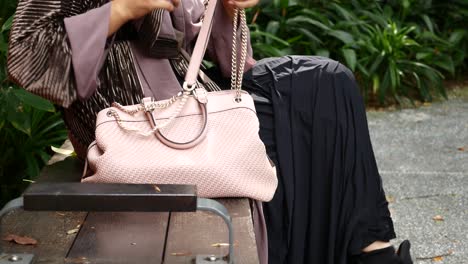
207, 139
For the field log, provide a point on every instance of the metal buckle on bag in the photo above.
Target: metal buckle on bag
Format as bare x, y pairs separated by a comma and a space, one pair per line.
147, 104
148, 107
189, 87
201, 95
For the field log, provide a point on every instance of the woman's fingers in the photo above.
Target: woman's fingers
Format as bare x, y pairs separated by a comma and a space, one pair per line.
244, 3
165, 4
176, 2
231, 5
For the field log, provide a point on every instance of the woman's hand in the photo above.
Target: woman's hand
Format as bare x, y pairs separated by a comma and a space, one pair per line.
134, 9
230, 5
123, 11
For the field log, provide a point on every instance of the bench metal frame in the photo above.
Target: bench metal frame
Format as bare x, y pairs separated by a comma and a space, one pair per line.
55, 196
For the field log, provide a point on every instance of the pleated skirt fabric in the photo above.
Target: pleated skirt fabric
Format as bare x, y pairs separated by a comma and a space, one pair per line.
330, 203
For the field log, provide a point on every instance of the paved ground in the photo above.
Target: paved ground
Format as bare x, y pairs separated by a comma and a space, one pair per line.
423, 159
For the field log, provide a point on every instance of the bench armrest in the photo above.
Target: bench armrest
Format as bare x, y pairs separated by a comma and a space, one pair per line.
75, 196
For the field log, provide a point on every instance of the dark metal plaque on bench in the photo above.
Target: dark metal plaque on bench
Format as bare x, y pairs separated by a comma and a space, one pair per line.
74, 196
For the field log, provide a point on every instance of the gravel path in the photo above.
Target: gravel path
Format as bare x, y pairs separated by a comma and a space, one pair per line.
423, 159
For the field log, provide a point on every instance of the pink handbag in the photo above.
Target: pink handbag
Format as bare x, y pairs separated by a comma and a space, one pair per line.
207, 139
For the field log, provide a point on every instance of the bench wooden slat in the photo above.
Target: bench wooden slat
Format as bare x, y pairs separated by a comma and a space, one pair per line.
59, 188
192, 234
72, 196
135, 237
48, 228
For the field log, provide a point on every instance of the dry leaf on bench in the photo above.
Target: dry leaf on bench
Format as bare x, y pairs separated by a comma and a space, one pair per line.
438, 258
21, 240
179, 254
73, 231
224, 244
66, 152
220, 245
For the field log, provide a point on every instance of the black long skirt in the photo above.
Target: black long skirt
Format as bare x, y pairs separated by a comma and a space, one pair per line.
330, 203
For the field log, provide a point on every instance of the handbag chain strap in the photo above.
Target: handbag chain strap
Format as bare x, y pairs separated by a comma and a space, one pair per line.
237, 75
149, 108
236, 84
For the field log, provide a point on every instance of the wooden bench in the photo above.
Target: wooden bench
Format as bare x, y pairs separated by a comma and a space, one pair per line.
125, 224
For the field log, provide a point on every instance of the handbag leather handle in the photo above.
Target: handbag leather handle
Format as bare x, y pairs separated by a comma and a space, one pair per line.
182, 145
200, 46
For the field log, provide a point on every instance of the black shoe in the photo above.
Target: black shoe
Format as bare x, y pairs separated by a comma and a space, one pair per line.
404, 252
387, 255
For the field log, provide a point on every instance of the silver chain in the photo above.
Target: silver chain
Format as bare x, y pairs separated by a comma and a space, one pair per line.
237, 74
149, 108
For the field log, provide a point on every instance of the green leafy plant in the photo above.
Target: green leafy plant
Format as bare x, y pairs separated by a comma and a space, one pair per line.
396, 48
440, 28
29, 126
388, 65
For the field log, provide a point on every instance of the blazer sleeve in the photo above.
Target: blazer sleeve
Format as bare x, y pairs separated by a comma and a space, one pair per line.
87, 35
40, 53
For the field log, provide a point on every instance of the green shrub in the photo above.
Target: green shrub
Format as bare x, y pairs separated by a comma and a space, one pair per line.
29, 125
441, 27
396, 48
387, 64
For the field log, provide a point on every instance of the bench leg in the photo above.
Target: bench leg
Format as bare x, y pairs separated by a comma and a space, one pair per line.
219, 209
13, 258
202, 205
11, 205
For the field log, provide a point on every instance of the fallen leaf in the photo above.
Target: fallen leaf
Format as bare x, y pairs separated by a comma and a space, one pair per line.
30, 181
220, 245
81, 260
73, 231
133, 243
461, 148
438, 218
437, 257
390, 199
179, 254
21, 240
224, 244
66, 152
157, 188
